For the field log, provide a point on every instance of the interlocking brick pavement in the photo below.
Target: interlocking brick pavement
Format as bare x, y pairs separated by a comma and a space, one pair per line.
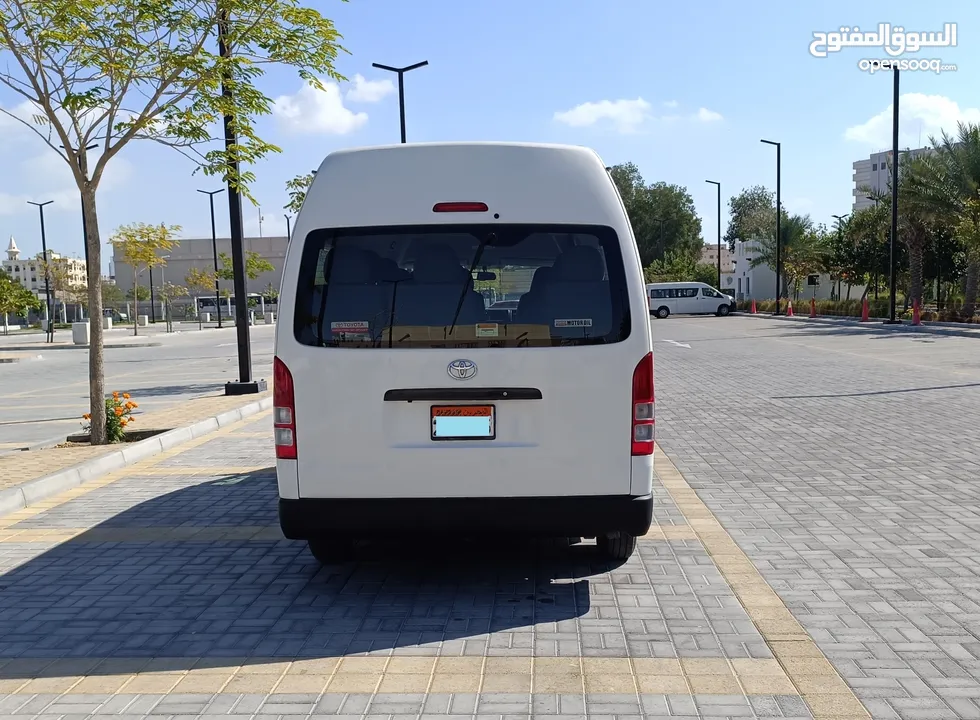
165, 590
844, 463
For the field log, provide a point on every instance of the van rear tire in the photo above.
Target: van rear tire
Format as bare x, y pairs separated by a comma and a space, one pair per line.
331, 550
616, 546
662, 312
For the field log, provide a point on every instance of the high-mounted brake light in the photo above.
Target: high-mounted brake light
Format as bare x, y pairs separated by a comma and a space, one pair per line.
283, 411
644, 409
460, 207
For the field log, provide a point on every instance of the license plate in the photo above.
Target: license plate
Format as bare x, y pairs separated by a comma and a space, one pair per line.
463, 422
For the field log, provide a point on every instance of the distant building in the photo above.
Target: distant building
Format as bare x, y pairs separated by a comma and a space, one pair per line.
875, 173
29, 272
709, 256
198, 253
759, 283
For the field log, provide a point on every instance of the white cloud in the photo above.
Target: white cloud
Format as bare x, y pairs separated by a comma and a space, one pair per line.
671, 104
369, 91
919, 116
625, 115
706, 115
310, 111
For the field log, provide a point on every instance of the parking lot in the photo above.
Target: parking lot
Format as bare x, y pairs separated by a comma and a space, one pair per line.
814, 554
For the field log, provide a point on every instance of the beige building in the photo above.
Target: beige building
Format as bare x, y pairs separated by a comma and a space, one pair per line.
198, 253
875, 173
29, 272
709, 256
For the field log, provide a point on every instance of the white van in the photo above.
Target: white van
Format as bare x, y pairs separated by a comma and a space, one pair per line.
403, 406
687, 298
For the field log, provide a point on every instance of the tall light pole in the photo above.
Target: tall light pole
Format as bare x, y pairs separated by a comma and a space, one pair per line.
47, 277
894, 238
718, 185
289, 230
83, 166
663, 249
779, 213
214, 250
245, 385
153, 302
840, 239
401, 87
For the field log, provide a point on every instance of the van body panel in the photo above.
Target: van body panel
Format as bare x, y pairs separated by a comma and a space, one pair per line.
354, 446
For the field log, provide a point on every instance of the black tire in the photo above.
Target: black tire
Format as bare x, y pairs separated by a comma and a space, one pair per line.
331, 550
662, 312
616, 546
724, 310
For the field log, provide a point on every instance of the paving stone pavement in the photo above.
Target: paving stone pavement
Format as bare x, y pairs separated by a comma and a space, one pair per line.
844, 463
167, 590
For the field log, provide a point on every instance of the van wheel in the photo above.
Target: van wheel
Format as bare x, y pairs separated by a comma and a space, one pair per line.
616, 546
662, 312
723, 310
331, 550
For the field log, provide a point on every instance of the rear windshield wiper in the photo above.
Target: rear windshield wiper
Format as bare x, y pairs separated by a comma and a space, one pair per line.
487, 239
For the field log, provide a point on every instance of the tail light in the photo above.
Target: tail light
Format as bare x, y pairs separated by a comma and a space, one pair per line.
644, 412
283, 411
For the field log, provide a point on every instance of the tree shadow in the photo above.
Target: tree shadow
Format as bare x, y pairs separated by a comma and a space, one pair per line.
202, 576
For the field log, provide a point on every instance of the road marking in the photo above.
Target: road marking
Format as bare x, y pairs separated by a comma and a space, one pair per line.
816, 679
678, 344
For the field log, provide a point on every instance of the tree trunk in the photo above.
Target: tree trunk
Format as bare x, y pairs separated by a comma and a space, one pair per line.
96, 360
970, 292
916, 283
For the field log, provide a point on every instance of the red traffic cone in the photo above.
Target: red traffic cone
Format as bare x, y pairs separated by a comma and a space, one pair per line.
813, 307
916, 314
864, 310
789, 308
753, 311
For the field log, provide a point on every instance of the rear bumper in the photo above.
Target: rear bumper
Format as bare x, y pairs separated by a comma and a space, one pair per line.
580, 516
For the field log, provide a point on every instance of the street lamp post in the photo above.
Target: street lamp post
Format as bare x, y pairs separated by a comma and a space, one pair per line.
245, 385
840, 239
894, 238
214, 250
47, 278
289, 230
83, 166
401, 87
153, 302
779, 212
718, 185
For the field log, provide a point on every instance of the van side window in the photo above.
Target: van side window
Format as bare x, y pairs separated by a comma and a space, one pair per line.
687, 292
658, 294
462, 286
708, 292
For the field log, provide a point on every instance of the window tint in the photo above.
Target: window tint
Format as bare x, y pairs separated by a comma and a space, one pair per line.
462, 286
708, 292
658, 293
687, 292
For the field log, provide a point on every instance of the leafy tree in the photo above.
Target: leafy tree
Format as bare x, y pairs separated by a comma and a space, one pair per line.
109, 72
271, 292
15, 299
168, 293
255, 265
663, 216
201, 282
804, 247
112, 294
752, 214
680, 267
297, 188
946, 186
138, 292
140, 245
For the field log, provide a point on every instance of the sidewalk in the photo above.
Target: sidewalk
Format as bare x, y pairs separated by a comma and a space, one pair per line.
19, 468
960, 329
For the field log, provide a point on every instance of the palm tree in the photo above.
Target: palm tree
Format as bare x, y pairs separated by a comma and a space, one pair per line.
946, 187
803, 248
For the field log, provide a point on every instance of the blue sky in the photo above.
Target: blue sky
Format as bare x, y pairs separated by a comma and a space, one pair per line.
684, 90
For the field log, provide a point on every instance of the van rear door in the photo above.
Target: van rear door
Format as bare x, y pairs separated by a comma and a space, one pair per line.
405, 386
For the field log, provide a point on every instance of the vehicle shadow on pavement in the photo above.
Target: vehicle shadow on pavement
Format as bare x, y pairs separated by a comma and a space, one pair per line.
201, 575
188, 389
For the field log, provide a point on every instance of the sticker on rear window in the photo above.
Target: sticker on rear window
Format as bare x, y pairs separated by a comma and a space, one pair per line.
350, 328
576, 322
487, 330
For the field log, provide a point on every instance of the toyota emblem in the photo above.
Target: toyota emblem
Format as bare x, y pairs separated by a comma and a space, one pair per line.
461, 369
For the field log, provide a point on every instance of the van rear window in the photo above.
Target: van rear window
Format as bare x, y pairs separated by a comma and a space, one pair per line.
462, 286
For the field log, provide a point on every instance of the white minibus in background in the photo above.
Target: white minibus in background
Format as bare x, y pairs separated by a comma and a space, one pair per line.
687, 298
404, 406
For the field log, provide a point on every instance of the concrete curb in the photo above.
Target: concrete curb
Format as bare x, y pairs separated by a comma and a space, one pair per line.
878, 323
32, 491
48, 346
